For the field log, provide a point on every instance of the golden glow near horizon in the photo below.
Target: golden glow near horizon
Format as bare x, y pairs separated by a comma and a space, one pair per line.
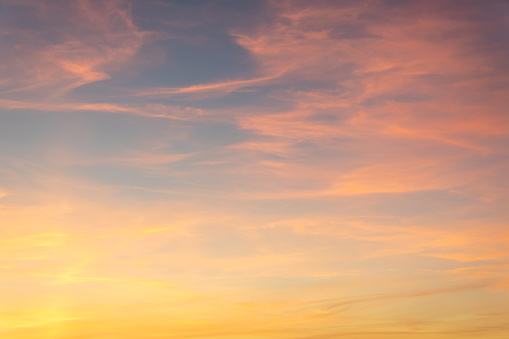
278, 169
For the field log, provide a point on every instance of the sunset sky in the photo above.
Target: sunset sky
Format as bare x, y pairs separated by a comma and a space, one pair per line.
254, 169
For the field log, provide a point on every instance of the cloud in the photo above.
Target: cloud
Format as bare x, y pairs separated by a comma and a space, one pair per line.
77, 43
346, 177
221, 88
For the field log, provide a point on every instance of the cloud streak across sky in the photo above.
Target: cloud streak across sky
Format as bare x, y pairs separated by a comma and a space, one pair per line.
254, 169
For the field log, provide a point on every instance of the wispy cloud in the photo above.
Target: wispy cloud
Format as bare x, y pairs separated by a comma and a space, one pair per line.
78, 43
271, 169
221, 88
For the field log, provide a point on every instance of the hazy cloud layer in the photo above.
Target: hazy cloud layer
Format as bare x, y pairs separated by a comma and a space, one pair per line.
254, 169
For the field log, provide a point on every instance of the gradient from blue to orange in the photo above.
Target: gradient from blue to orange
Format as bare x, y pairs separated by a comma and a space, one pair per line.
254, 169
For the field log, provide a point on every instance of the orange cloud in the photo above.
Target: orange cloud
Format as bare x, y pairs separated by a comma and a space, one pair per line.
98, 36
362, 195
221, 88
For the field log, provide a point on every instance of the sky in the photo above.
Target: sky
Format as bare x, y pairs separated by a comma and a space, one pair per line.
254, 169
